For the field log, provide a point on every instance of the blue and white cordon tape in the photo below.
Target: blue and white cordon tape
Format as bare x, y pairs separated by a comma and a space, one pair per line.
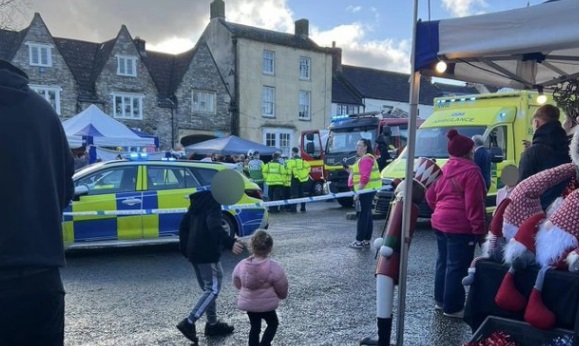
226, 207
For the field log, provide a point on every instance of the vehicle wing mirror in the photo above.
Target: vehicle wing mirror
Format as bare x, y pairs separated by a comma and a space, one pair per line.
81, 190
497, 155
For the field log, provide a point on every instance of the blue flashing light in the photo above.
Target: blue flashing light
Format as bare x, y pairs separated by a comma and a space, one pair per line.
138, 156
168, 159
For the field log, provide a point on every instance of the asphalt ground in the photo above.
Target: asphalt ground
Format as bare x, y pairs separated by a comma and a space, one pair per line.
136, 296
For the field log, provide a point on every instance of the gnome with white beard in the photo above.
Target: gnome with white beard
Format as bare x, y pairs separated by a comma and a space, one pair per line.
551, 240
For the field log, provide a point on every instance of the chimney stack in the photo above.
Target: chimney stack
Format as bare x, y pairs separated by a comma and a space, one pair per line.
140, 44
217, 9
336, 58
302, 28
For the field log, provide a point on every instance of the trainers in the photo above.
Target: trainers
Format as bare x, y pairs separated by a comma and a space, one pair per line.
458, 314
357, 245
219, 328
188, 330
366, 243
437, 306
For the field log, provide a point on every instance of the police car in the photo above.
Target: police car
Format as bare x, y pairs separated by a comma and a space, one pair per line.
137, 185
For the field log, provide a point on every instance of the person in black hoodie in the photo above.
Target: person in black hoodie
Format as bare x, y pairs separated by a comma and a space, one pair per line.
201, 239
548, 149
36, 185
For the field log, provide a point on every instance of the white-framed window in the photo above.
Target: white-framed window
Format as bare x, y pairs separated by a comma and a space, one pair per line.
305, 101
126, 65
279, 138
203, 101
268, 101
344, 109
268, 62
305, 63
40, 54
128, 106
50, 94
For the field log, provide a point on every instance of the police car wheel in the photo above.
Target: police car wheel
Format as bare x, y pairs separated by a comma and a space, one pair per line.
229, 224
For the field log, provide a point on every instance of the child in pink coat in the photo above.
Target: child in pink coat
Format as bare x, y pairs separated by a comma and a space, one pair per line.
262, 283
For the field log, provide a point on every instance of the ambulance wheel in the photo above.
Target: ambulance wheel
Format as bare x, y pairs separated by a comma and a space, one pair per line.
346, 202
229, 224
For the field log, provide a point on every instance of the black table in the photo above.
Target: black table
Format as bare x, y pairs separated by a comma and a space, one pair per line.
560, 294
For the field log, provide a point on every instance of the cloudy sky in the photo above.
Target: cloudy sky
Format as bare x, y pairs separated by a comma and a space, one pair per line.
372, 33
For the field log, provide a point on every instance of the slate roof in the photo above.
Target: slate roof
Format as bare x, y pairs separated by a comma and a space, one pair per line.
273, 37
343, 92
10, 41
395, 86
80, 57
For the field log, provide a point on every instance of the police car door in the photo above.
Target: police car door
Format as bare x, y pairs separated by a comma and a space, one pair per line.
166, 187
109, 189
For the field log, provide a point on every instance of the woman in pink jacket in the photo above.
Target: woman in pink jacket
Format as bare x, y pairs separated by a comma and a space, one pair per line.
458, 220
262, 283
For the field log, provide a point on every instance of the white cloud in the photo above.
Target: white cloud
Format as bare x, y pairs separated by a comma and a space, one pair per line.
385, 54
353, 9
173, 45
461, 8
267, 14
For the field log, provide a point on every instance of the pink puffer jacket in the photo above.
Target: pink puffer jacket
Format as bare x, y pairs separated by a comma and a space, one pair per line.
262, 283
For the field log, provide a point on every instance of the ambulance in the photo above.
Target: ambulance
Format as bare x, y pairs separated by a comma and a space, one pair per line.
504, 119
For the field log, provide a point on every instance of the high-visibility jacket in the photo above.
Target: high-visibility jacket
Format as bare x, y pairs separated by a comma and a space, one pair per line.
298, 168
375, 181
274, 173
255, 167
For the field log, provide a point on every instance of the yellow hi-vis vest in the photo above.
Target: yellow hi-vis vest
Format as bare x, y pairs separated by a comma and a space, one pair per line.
375, 181
273, 173
299, 169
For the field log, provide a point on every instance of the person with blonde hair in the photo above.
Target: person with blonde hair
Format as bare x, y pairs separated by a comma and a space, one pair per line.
262, 283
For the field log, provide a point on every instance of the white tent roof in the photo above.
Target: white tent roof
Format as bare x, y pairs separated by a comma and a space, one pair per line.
522, 48
104, 130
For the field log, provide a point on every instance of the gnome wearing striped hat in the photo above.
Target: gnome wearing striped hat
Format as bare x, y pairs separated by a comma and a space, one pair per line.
551, 240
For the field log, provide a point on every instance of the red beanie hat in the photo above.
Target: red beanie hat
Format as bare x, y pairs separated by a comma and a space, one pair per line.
458, 145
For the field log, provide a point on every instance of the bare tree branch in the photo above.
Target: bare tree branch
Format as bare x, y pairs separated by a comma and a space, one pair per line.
12, 13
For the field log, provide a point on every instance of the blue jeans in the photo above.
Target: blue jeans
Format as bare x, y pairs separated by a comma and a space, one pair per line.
455, 253
365, 225
209, 277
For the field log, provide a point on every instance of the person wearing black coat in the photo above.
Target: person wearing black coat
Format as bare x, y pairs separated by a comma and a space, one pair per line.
201, 239
36, 186
548, 149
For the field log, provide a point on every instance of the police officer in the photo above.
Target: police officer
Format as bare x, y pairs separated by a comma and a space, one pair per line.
255, 166
274, 173
299, 172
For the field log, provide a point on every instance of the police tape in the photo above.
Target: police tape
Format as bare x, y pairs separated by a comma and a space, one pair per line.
236, 208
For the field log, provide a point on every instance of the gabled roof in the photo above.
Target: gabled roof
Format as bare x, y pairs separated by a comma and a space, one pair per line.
270, 36
80, 57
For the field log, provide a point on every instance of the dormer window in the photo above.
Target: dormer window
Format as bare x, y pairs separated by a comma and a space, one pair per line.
40, 54
126, 66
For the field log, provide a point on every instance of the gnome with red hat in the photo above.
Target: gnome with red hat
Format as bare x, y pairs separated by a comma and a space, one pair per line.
550, 239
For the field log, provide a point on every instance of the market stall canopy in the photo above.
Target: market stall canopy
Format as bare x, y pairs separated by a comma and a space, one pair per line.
93, 126
531, 47
230, 145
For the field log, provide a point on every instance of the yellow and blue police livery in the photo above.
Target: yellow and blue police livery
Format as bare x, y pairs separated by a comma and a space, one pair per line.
142, 186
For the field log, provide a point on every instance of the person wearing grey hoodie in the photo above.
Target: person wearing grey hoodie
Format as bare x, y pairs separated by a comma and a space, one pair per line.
35, 185
201, 239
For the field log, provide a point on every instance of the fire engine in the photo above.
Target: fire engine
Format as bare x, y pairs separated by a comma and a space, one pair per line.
327, 159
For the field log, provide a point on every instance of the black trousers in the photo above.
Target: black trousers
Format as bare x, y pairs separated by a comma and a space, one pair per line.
275, 194
31, 308
297, 191
255, 318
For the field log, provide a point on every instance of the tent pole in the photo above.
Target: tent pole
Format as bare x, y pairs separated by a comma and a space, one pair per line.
406, 213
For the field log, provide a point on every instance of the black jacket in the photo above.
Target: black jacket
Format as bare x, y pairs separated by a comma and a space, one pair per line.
36, 168
482, 158
550, 148
201, 234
